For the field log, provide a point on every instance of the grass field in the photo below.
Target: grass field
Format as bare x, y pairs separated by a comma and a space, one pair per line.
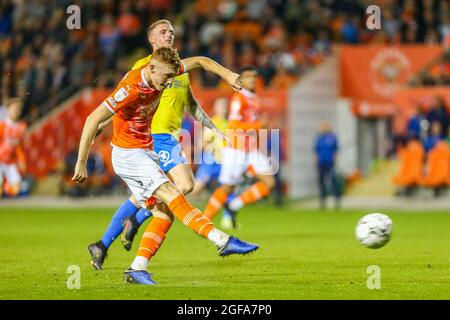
304, 254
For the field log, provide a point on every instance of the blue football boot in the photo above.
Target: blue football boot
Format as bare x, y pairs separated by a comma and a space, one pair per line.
138, 277
237, 246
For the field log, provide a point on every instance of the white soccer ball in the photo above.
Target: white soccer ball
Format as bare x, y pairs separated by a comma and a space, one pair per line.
374, 230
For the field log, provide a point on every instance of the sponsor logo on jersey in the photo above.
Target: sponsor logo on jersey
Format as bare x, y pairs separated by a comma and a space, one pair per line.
121, 95
112, 102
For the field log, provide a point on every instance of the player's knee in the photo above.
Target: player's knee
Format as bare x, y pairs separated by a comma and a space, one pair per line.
186, 187
269, 181
167, 193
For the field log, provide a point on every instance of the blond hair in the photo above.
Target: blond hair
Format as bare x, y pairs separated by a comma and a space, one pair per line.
156, 23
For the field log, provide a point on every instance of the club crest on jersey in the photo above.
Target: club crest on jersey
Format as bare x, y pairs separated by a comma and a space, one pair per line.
121, 95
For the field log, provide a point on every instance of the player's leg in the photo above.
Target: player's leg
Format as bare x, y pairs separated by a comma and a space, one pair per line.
13, 178
322, 187
202, 177
232, 168
159, 226
261, 188
140, 170
206, 173
336, 188
182, 177
228, 220
98, 250
174, 163
151, 241
194, 219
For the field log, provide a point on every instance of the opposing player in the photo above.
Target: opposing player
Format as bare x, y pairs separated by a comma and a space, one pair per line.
209, 170
242, 129
134, 102
166, 128
12, 155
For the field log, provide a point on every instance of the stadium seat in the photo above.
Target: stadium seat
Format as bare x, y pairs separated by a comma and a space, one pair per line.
411, 165
438, 166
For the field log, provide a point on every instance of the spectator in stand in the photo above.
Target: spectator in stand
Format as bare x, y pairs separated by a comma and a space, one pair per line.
434, 136
416, 124
283, 79
439, 113
240, 32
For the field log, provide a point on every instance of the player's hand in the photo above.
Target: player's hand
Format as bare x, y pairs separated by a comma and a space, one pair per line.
234, 80
80, 174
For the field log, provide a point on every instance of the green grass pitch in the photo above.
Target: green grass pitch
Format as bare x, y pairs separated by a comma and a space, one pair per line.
304, 254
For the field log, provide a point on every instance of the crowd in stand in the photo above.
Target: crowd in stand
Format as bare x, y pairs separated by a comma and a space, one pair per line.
425, 157
43, 61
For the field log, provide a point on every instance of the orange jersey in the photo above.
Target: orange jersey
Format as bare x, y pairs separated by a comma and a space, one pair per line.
11, 141
243, 115
134, 103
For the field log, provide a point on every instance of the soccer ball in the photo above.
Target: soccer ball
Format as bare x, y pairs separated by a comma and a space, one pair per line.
374, 230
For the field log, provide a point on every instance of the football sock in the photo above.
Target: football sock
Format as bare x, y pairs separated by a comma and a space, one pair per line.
140, 263
115, 227
254, 193
142, 215
216, 202
153, 237
190, 216
219, 238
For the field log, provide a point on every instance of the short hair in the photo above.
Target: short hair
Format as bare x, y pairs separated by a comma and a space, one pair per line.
248, 68
168, 56
156, 23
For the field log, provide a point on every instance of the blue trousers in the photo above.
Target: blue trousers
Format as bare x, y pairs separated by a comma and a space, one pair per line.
328, 177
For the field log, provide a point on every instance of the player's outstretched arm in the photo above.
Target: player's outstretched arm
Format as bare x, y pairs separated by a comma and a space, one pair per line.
99, 115
199, 114
233, 79
102, 126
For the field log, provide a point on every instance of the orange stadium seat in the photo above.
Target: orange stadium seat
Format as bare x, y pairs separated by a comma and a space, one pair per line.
438, 166
411, 165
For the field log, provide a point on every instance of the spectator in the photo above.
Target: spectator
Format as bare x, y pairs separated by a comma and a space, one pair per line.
326, 148
434, 136
258, 32
439, 113
416, 124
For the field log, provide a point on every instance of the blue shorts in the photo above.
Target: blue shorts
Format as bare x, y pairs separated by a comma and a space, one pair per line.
209, 170
169, 151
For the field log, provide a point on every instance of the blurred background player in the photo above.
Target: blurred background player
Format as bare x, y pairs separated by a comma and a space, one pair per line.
326, 147
134, 102
242, 131
166, 129
208, 171
12, 155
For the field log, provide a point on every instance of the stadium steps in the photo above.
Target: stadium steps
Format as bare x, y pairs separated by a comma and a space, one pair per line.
378, 182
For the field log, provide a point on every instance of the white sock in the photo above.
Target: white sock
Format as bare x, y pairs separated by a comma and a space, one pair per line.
139, 263
218, 237
236, 204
